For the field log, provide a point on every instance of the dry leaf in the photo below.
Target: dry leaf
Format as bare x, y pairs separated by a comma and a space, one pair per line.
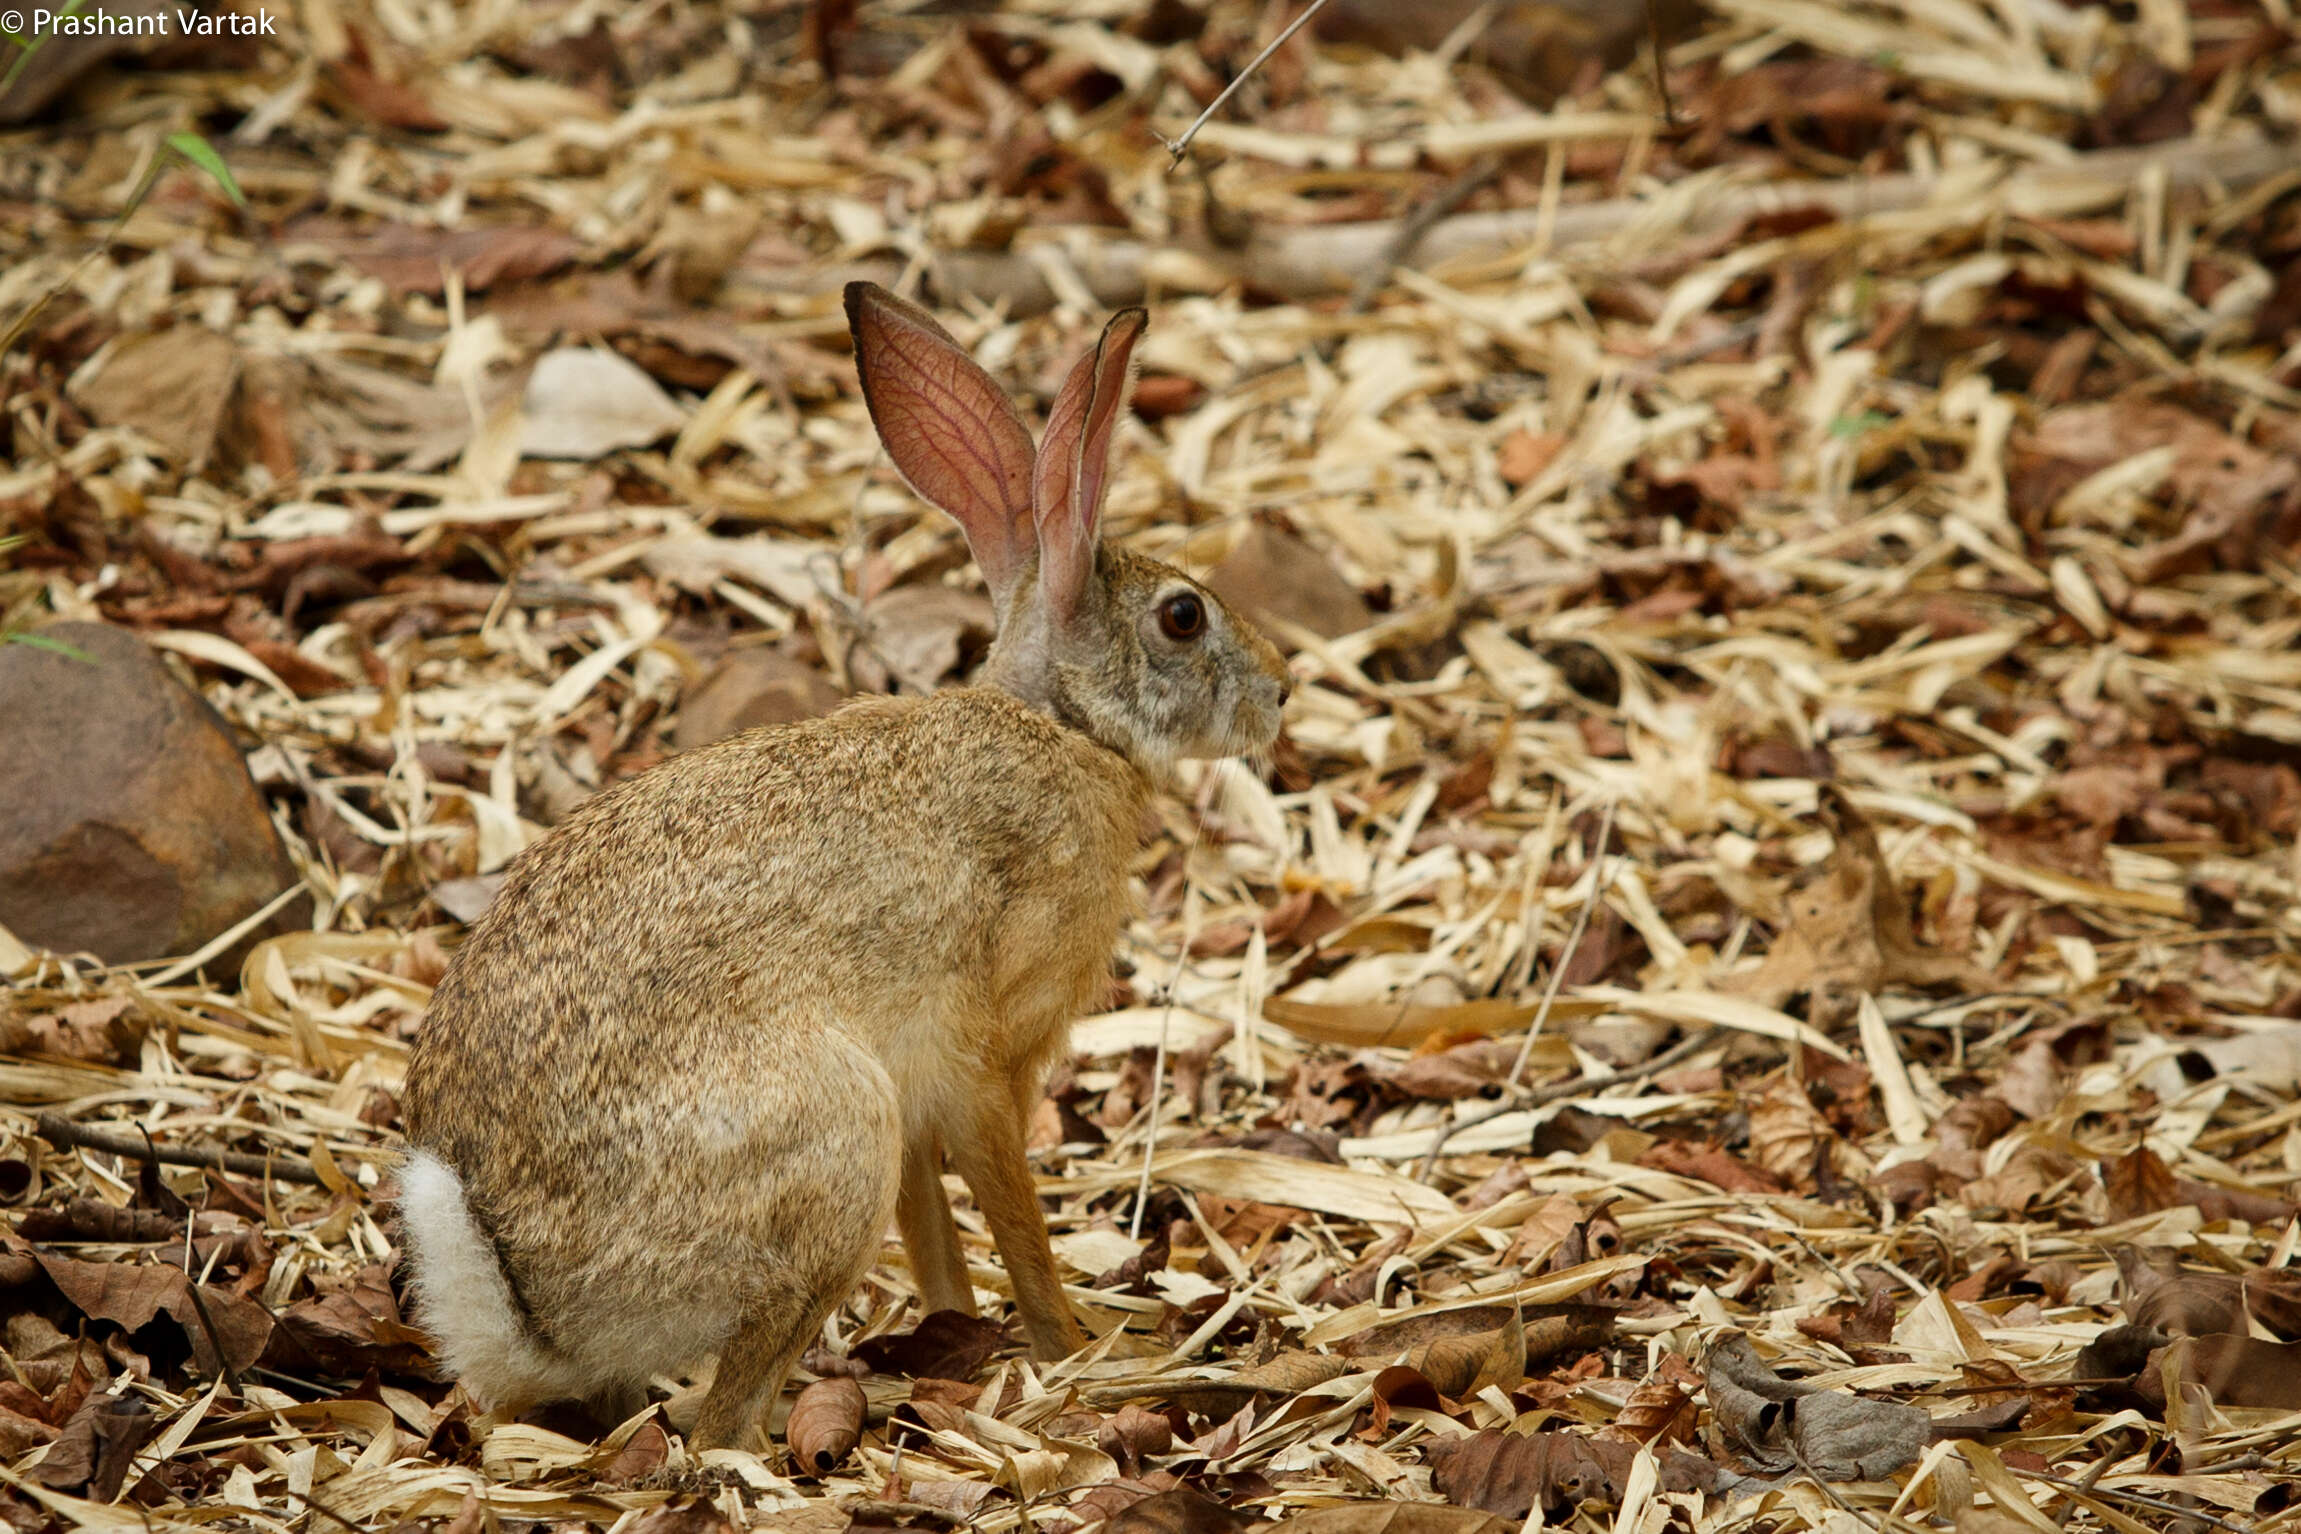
172, 386
826, 1423
1394, 1518
1781, 1424
1180, 1511
1511, 1474
584, 403
1849, 933
1133, 1434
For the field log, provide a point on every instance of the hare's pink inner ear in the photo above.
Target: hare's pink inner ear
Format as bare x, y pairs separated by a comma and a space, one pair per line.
1074, 458
1114, 382
948, 426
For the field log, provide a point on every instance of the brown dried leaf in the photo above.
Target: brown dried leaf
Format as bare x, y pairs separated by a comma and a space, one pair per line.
946, 1345
2234, 1370
132, 1295
1394, 1518
1780, 1423
1180, 1511
1133, 1434
1272, 574
171, 386
410, 259
686, 1514
1460, 1367
1849, 933
97, 1446
349, 1331
2138, 1183
826, 1423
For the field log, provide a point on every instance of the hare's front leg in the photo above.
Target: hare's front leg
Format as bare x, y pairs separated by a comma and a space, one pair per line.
930, 1239
988, 1151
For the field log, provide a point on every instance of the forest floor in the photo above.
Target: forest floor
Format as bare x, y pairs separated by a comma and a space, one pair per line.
1793, 595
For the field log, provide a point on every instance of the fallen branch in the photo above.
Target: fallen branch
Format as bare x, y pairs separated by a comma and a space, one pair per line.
1310, 260
60, 1131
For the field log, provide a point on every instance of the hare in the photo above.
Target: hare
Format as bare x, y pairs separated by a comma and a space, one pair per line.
735, 1011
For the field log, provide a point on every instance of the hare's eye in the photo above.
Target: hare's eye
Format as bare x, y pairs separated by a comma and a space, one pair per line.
1182, 616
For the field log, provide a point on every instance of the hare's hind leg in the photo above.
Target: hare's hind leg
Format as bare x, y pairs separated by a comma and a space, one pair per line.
818, 1213
773, 1331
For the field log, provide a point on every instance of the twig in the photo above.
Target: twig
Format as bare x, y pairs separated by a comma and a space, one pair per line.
2137, 1499
1165, 1019
60, 1131
1661, 74
1580, 1086
2085, 1485
1181, 146
1301, 261
1573, 941
1418, 223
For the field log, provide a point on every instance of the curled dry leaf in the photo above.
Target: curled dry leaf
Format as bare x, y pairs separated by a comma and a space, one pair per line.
1133, 1434
1461, 1367
97, 1446
826, 1423
1782, 1424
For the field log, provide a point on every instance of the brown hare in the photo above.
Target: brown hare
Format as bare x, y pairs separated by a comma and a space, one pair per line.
735, 1011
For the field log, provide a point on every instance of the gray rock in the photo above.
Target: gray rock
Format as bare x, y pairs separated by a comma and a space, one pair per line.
129, 827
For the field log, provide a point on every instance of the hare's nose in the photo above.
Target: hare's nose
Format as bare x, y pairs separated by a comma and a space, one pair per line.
1285, 690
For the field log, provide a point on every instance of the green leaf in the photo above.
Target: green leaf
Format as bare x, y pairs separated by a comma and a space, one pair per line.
203, 154
54, 646
1847, 427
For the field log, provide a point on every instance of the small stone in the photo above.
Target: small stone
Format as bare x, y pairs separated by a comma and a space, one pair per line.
129, 827
748, 689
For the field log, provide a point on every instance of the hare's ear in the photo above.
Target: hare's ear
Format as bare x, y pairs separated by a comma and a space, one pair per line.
949, 427
1067, 486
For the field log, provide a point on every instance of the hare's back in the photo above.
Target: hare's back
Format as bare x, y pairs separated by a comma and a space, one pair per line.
845, 872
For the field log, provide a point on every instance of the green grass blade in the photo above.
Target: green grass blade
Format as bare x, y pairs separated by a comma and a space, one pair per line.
54, 646
203, 154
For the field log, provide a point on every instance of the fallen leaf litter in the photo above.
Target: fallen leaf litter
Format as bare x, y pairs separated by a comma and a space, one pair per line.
1843, 543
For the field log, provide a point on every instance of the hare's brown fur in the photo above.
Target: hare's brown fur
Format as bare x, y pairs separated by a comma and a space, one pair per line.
660, 1050
736, 1011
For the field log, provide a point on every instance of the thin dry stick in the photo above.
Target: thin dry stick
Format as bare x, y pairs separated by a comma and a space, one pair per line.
1181, 146
1573, 940
1420, 222
1661, 69
1579, 1086
2137, 1499
1165, 1021
60, 1131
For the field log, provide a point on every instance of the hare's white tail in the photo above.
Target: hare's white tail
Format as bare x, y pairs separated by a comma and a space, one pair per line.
462, 1297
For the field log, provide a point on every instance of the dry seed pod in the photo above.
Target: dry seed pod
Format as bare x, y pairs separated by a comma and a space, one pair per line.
826, 1424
